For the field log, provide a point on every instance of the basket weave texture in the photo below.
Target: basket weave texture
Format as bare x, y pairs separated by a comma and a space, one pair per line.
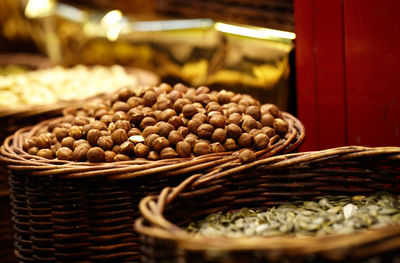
350, 170
81, 211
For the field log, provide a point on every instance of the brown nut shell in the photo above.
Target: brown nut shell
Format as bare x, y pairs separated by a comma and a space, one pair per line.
96, 155
247, 156
64, 153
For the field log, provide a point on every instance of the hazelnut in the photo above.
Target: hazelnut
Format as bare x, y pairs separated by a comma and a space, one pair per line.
75, 132
202, 90
99, 126
149, 98
212, 114
219, 135
116, 148
150, 130
183, 149
163, 104
153, 156
281, 126
68, 142
123, 124
165, 88
267, 120
64, 153
160, 143
217, 147
192, 139
194, 124
147, 121
254, 111
61, 133
42, 141
201, 148
268, 131
246, 140
213, 106
134, 102
189, 110
230, 144
234, 131
249, 123
124, 94
121, 106
234, 109
134, 131
201, 116
180, 103
141, 150
105, 142
107, 119
272, 109
95, 155
80, 152
135, 116
218, 121
79, 142
33, 151
168, 153
203, 99
174, 95
28, 143
183, 130
224, 97
180, 87
86, 128
205, 131
119, 136
46, 153
165, 129
92, 136
148, 112
127, 148
121, 158
175, 121
100, 113
167, 114
150, 139
247, 156
174, 137
261, 141
109, 156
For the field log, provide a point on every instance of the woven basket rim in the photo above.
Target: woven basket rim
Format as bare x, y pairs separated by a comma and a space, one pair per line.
16, 158
153, 223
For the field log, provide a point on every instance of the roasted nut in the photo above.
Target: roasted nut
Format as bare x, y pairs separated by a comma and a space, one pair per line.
201, 148
64, 153
150, 130
149, 98
80, 152
272, 109
124, 94
153, 156
180, 87
134, 102
107, 119
183, 149
168, 153
167, 114
116, 148
233, 131
147, 121
202, 90
254, 111
174, 137
46, 153
212, 114
205, 131
121, 158
183, 130
246, 140
247, 156
224, 97
123, 124
75, 132
61, 133
230, 144
33, 151
201, 116
109, 156
204, 99
261, 141
217, 147
135, 116
267, 120
219, 135
79, 142
176, 121
141, 150
214, 106
86, 128
127, 148
163, 104
95, 155
165, 129
42, 141
270, 132
234, 109
281, 126
55, 147
105, 142
134, 131
121, 106
28, 143
189, 110
249, 124
148, 112
100, 113
192, 139
150, 139
174, 95
160, 143
194, 124
218, 121
180, 103
68, 142
99, 125
92, 136
119, 136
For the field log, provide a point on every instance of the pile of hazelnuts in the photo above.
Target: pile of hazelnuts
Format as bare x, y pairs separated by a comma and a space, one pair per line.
160, 122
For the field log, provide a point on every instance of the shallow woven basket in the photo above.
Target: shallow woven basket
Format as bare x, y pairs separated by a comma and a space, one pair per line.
276, 180
70, 211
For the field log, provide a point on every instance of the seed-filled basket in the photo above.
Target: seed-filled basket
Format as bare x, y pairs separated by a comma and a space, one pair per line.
76, 181
276, 181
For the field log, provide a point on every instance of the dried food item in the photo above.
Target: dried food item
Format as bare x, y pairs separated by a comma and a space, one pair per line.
323, 216
161, 122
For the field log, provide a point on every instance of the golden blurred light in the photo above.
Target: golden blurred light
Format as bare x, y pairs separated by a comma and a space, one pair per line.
255, 32
112, 22
39, 8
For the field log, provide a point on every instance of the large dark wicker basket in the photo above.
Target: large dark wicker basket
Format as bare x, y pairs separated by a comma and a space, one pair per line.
265, 183
70, 211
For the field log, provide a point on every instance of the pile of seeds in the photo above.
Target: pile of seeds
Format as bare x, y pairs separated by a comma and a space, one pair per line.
324, 216
159, 123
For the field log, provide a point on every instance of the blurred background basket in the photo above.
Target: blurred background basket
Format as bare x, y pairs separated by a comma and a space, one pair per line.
265, 183
80, 211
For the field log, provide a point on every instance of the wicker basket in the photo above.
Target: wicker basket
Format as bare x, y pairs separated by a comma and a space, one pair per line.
264, 183
70, 211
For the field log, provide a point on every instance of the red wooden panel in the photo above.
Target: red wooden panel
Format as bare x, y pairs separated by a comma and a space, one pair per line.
306, 99
372, 42
329, 59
